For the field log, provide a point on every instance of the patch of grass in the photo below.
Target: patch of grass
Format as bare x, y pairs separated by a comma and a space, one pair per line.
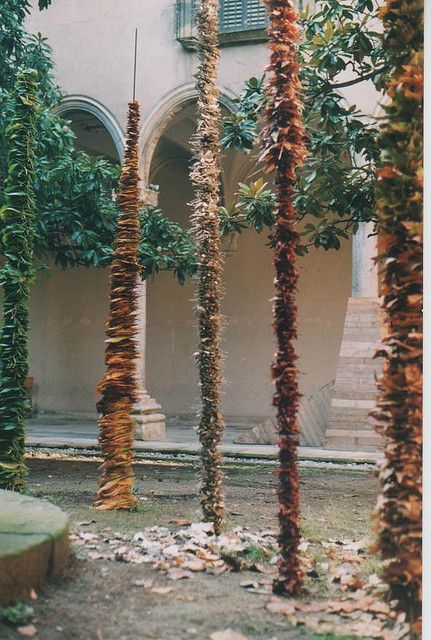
16, 614
332, 522
342, 472
245, 558
331, 636
311, 531
48, 498
258, 629
373, 564
254, 553
144, 508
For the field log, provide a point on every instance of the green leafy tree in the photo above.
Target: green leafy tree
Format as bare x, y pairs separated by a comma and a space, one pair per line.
335, 187
165, 246
17, 274
76, 211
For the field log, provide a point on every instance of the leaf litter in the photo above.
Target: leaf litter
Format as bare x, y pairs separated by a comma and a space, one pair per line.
342, 596
182, 553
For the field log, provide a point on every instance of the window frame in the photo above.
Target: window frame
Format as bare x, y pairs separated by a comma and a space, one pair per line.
242, 34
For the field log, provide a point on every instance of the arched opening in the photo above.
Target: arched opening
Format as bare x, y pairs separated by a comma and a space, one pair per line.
68, 308
248, 340
92, 135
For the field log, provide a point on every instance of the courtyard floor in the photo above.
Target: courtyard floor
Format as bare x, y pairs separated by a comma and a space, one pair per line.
181, 438
104, 599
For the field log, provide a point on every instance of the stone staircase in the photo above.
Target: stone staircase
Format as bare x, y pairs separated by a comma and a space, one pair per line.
354, 395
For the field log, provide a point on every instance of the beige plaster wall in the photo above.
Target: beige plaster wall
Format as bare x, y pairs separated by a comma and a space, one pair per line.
67, 315
324, 286
68, 311
93, 52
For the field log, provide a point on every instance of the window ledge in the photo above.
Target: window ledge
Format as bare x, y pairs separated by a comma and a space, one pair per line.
229, 39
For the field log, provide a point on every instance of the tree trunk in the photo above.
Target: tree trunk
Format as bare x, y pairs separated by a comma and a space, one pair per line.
284, 150
399, 207
205, 177
118, 386
16, 278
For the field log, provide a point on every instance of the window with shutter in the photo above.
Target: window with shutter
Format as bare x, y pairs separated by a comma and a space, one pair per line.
241, 21
241, 15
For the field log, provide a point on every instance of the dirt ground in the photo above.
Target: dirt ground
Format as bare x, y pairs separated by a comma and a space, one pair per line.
98, 600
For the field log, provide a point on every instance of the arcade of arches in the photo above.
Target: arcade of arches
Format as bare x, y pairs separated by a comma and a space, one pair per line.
68, 308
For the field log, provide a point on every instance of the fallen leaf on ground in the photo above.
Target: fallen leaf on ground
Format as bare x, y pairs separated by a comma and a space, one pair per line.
227, 634
194, 548
186, 597
194, 565
281, 606
363, 616
88, 536
162, 590
261, 568
176, 573
28, 631
249, 584
146, 583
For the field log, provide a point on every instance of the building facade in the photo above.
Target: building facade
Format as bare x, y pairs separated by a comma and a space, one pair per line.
93, 44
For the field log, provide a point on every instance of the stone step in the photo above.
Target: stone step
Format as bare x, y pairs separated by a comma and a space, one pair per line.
360, 361
352, 404
350, 439
353, 421
364, 392
355, 387
357, 424
357, 349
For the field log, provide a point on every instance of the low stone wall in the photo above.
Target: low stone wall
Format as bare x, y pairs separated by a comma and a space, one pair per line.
34, 545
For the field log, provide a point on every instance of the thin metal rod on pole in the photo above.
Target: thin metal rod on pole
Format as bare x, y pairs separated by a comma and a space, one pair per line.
134, 63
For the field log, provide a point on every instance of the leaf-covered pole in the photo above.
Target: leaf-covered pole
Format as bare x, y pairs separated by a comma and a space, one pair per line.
399, 208
205, 177
16, 278
118, 386
284, 151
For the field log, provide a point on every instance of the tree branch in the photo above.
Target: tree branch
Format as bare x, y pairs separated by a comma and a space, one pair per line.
350, 83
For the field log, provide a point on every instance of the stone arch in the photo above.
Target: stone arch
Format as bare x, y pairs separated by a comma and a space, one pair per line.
163, 113
68, 307
100, 112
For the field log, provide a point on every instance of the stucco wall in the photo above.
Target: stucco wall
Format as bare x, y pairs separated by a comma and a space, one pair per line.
93, 52
324, 287
67, 315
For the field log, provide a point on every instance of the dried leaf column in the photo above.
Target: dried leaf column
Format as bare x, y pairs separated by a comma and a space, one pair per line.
118, 386
284, 150
205, 177
16, 277
399, 203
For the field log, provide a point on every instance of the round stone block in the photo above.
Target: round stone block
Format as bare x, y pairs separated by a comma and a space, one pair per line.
34, 544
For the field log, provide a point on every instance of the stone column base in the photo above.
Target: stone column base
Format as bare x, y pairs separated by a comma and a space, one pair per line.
150, 422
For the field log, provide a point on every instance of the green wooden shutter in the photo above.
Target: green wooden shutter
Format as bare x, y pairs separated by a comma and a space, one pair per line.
242, 15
